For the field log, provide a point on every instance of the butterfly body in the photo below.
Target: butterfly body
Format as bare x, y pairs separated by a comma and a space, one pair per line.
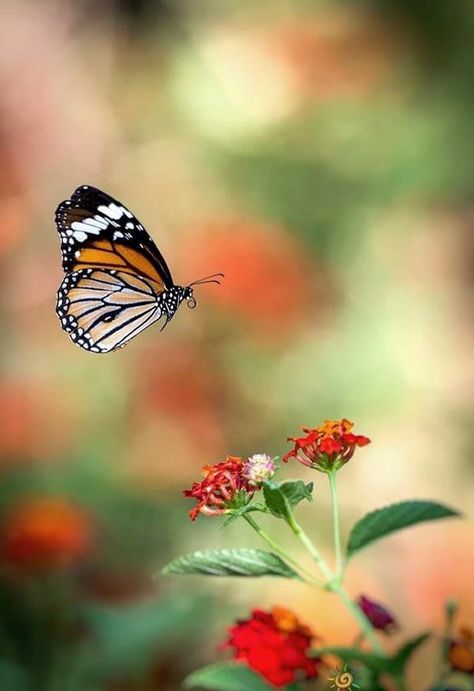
116, 281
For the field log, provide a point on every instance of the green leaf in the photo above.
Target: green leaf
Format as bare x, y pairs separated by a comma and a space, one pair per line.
280, 497
402, 656
230, 562
375, 662
226, 676
387, 520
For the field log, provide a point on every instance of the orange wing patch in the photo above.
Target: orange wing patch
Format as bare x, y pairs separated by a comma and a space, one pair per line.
103, 253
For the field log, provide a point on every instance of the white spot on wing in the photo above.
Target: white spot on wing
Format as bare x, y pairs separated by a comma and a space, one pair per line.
112, 210
84, 227
98, 222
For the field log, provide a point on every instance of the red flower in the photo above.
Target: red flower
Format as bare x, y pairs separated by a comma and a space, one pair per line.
275, 645
46, 533
220, 488
379, 617
328, 446
461, 652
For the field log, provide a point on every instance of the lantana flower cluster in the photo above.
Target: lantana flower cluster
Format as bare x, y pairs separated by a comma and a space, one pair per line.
232, 483
326, 447
229, 484
274, 644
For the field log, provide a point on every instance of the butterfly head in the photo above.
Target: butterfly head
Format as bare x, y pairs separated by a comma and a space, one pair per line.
189, 297
188, 291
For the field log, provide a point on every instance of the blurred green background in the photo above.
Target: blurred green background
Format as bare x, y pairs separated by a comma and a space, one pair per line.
320, 154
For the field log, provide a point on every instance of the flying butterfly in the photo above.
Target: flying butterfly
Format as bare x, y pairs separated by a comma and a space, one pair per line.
116, 282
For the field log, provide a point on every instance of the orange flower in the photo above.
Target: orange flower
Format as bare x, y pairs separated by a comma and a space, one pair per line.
461, 652
46, 532
328, 446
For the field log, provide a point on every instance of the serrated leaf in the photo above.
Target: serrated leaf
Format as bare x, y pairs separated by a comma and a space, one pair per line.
230, 562
389, 519
226, 676
280, 497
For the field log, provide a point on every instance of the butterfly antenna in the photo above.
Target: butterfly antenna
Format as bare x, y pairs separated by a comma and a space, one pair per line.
213, 278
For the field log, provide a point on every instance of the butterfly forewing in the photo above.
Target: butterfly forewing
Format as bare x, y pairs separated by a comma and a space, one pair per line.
98, 231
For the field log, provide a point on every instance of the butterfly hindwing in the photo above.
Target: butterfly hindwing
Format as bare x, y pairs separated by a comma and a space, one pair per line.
97, 230
102, 309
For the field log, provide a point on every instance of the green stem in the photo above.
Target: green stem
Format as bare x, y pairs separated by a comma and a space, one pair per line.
335, 521
335, 585
359, 616
443, 665
312, 549
306, 575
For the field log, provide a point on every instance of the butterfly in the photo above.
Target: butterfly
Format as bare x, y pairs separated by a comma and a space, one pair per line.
117, 283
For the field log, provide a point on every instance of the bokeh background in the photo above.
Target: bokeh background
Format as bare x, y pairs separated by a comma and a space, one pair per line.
320, 154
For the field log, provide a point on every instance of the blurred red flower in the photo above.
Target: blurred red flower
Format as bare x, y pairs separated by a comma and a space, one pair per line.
46, 532
265, 277
219, 488
275, 645
380, 618
326, 447
461, 651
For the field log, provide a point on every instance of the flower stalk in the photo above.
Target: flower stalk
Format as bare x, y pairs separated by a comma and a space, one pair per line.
309, 545
305, 575
359, 616
332, 583
335, 522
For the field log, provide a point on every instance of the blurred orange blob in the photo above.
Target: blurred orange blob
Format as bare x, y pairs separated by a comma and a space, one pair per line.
461, 651
46, 532
173, 382
179, 380
266, 276
339, 53
16, 418
27, 407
